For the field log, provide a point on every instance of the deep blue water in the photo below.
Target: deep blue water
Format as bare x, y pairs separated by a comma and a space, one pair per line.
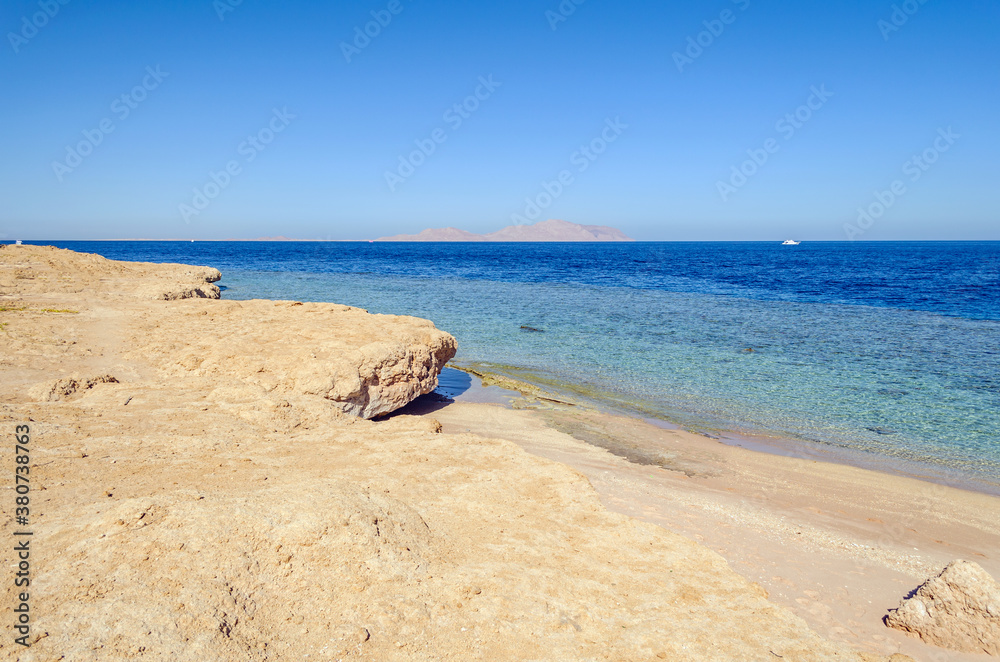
892, 349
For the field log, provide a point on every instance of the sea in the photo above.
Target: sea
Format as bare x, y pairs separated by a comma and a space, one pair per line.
881, 354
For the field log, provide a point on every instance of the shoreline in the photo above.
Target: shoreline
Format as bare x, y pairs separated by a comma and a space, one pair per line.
764, 442
220, 480
50, 242
839, 545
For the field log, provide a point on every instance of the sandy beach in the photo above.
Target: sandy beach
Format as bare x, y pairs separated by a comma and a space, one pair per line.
837, 545
224, 480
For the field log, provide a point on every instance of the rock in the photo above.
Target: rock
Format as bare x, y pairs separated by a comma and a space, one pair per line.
196, 290
365, 365
59, 270
959, 609
65, 388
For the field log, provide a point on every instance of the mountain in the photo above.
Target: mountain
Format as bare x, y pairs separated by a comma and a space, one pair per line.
558, 231
438, 234
544, 231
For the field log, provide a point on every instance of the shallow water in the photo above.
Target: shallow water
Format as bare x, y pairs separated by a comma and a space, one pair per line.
887, 348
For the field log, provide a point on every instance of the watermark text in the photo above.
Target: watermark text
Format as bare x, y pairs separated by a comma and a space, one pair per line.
913, 169
122, 107
31, 25
581, 160
249, 149
788, 126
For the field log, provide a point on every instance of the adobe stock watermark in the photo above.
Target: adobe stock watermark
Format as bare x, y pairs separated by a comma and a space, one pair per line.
913, 169
454, 117
31, 25
713, 30
565, 9
788, 126
223, 7
249, 149
581, 160
372, 29
94, 138
900, 16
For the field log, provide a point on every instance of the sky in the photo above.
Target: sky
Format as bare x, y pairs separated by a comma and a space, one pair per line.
720, 120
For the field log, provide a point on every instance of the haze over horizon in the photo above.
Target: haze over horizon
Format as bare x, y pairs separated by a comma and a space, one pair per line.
215, 119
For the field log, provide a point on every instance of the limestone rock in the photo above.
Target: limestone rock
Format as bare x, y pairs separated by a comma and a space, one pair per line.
58, 270
365, 365
959, 609
66, 388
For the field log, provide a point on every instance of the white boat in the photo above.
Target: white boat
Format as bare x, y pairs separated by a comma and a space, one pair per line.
790, 242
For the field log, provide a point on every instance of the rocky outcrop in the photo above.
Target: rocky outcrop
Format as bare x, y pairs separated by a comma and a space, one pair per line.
959, 609
65, 388
199, 285
390, 376
58, 270
365, 365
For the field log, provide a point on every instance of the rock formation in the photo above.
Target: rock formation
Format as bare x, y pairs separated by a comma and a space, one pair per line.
366, 365
551, 230
959, 609
54, 271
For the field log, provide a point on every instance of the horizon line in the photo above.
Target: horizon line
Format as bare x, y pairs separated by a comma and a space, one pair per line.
375, 241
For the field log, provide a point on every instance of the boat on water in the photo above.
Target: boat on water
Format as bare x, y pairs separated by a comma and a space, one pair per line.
790, 242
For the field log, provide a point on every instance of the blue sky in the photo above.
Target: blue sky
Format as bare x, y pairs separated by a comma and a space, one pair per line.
266, 89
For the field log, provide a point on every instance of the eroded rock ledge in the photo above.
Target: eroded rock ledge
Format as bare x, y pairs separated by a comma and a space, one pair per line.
366, 365
46, 270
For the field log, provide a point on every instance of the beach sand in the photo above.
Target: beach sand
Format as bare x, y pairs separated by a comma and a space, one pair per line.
836, 544
202, 489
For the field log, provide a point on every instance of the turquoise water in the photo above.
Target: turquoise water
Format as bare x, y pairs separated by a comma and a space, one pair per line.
894, 382
890, 350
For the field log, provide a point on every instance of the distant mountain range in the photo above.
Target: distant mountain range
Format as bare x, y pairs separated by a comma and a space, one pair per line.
543, 231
